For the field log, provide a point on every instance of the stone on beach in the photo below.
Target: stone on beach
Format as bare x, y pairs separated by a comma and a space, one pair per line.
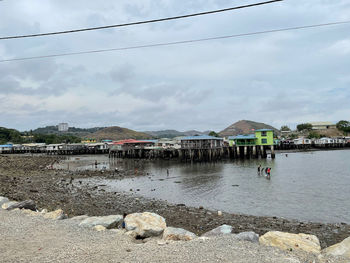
56, 215
79, 218
340, 249
219, 231
248, 236
100, 228
8, 204
176, 234
145, 224
288, 241
106, 221
3, 200
27, 204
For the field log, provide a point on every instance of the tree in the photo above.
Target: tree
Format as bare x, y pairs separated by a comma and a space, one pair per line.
314, 135
214, 134
304, 126
285, 128
343, 126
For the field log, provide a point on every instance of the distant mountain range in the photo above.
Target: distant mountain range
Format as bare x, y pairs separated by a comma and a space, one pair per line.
175, 133
245, 127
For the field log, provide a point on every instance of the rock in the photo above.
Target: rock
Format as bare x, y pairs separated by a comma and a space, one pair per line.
100, 228
56, 215
287, 241
176, 234
248, 236
6, 205
219, 231
106, 221
30, 212
340, 249
219, 213
145, 224
28, 204
79, 218
3, 200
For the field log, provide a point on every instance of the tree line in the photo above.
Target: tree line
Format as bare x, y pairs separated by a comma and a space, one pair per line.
16, 137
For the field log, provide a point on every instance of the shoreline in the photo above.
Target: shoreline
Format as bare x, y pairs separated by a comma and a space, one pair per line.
26, 178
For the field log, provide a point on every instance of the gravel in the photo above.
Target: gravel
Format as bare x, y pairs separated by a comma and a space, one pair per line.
25, 238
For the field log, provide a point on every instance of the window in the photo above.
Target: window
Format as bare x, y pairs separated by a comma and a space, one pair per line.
263, 140
264, 133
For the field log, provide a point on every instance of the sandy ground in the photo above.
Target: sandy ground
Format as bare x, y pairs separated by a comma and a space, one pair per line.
26, 238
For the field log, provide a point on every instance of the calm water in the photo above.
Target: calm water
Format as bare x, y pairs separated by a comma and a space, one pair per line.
312, 186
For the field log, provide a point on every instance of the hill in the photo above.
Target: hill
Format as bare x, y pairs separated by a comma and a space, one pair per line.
9, 135
80, 132
174, 133
118, 133
245, 127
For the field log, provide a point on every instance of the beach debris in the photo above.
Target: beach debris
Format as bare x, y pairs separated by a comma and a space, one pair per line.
219, 213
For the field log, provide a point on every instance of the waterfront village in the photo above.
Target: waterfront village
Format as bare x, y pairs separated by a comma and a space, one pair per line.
260, 143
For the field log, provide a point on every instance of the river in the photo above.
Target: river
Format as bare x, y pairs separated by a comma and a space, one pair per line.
307, 186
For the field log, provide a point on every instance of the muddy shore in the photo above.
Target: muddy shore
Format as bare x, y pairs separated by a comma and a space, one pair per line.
28, 177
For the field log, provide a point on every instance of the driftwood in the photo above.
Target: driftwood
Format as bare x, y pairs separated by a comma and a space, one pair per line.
28, 204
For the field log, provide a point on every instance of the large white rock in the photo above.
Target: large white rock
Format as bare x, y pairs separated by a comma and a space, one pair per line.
145, 224
56, 215
176, 234
287, 241
340, 249
8, 204
3, 200
106, 221
219, 231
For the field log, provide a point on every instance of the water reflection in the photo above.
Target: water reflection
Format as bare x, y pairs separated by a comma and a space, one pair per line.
307, 186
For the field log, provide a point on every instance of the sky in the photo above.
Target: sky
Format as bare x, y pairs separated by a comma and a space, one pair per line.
282, 78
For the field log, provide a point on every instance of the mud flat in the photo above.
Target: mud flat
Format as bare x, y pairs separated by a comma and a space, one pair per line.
29, 177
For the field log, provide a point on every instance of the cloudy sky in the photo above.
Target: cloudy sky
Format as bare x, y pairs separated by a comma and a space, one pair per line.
280, 78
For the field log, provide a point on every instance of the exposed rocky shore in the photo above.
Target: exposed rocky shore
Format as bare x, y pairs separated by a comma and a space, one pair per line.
27, 177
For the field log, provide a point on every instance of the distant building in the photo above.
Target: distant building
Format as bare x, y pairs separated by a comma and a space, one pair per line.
264, 137
322, 125
201, 142
63, 127
260, 137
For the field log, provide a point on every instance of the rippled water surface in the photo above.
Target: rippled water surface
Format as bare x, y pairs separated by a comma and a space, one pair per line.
312, 186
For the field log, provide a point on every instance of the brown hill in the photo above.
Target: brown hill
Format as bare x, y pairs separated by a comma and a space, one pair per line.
245, 127
118, 133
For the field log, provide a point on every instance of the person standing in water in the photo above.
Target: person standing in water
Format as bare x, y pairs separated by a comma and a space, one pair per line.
259, 169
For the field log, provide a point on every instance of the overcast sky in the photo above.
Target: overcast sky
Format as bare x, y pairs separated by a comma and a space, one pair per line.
280, 78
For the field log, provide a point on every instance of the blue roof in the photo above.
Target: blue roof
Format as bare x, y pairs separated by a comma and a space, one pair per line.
241, 137
200, 137
262, 130
6, 146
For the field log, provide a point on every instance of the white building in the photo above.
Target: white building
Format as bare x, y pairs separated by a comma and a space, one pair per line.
322, 125
63, 127
301, 141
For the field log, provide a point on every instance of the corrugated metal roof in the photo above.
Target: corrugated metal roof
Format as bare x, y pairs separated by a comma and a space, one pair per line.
242, 137
200, 137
